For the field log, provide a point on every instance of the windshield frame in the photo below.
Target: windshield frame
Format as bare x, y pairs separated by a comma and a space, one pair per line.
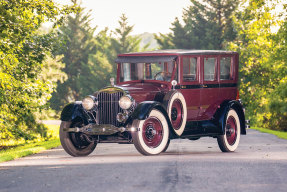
174, 70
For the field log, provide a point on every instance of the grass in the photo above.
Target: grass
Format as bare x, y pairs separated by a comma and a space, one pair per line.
28, 149
280, 134
22, 150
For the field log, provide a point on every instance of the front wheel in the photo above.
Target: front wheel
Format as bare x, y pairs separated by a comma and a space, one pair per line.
153, 134
75, 144
230, 140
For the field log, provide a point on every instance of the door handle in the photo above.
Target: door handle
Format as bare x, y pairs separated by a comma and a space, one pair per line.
203, 86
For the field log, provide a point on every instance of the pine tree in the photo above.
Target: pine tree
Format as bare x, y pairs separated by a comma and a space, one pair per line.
207, 24
83, 58
124, 42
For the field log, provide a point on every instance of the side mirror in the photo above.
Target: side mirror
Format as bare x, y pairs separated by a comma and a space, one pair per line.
173, 83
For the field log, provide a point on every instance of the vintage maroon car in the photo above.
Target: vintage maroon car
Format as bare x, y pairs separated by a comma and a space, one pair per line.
159, 96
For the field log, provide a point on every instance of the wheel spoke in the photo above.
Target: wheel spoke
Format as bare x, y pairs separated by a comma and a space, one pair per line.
231, 130
152, 132
176, 114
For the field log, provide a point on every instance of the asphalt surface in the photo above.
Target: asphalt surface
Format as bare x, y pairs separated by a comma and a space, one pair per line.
259, 164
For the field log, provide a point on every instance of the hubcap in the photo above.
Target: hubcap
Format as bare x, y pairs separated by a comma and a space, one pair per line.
231, 130
152, 132
176, 114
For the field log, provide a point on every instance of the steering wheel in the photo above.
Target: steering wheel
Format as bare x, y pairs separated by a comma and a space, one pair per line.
162, 76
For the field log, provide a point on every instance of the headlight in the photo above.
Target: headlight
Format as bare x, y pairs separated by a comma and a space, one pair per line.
88, 103
125, 102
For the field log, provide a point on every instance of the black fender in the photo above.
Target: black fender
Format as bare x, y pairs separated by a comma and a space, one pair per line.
143, 110
167, 97
221, 115
73, 111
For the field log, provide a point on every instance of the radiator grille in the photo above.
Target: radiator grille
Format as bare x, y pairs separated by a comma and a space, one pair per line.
109, 107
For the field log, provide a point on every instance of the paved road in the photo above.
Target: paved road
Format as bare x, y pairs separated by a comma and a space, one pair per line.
259, 164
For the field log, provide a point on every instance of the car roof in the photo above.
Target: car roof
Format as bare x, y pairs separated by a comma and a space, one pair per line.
179, 52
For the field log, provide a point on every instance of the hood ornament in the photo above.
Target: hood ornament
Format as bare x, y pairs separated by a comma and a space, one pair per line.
112, 80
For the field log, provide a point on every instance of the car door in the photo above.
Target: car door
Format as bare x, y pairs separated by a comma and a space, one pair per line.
190, 87
209, 92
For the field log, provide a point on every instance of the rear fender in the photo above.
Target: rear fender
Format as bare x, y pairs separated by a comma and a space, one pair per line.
221, 115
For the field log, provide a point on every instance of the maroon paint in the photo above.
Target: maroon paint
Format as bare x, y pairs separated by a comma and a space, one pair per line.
191, 96
146, 91
176, 114
201, 102
231, 130
152, 132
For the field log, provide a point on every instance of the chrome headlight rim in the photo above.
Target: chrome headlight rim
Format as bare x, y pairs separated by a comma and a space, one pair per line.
126, 102
88, 102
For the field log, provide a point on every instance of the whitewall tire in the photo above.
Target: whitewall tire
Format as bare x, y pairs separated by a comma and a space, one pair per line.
177, 112
230, 140
153, 134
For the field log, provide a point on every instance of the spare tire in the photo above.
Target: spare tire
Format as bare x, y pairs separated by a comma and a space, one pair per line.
176, 109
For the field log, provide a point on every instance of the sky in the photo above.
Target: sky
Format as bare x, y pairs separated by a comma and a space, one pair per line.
153, 16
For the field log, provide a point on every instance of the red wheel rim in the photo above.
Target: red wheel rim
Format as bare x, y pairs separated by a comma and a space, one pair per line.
152, 132
176, 114
231, 130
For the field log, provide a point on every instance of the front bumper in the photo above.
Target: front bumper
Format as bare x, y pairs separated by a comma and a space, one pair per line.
105, 129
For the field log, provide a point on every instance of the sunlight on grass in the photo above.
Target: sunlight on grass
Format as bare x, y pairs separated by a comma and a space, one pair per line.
20, 148
280, 134
22, 151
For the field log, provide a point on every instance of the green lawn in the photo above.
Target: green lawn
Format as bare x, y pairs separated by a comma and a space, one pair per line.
23, 150
280, 134
27, 149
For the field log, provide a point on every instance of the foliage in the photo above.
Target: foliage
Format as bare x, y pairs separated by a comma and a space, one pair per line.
207, 25
124, 42
22, 50
262, 64
85, 57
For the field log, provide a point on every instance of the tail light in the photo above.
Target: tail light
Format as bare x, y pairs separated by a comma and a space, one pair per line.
237, 95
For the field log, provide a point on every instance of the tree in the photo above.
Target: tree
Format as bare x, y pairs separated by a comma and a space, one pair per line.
207, 25
85, 58
22, 51
98, 67
124, 42
263, 68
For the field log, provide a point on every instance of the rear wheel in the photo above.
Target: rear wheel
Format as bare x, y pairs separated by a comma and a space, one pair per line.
153, 134
230, 140
75, 144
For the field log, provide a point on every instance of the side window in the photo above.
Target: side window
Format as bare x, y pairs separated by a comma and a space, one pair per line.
226, 71
189, 69
209, 69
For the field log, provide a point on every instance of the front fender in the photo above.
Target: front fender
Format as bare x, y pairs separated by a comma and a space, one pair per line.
143, 110
72, 111
221, 115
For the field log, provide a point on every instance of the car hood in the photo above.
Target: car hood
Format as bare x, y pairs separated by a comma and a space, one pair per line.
142, 91
145, 91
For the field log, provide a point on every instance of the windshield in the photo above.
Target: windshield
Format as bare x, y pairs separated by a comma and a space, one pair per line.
161, 71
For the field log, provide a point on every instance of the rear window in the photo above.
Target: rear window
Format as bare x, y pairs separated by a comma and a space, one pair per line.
226, 68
